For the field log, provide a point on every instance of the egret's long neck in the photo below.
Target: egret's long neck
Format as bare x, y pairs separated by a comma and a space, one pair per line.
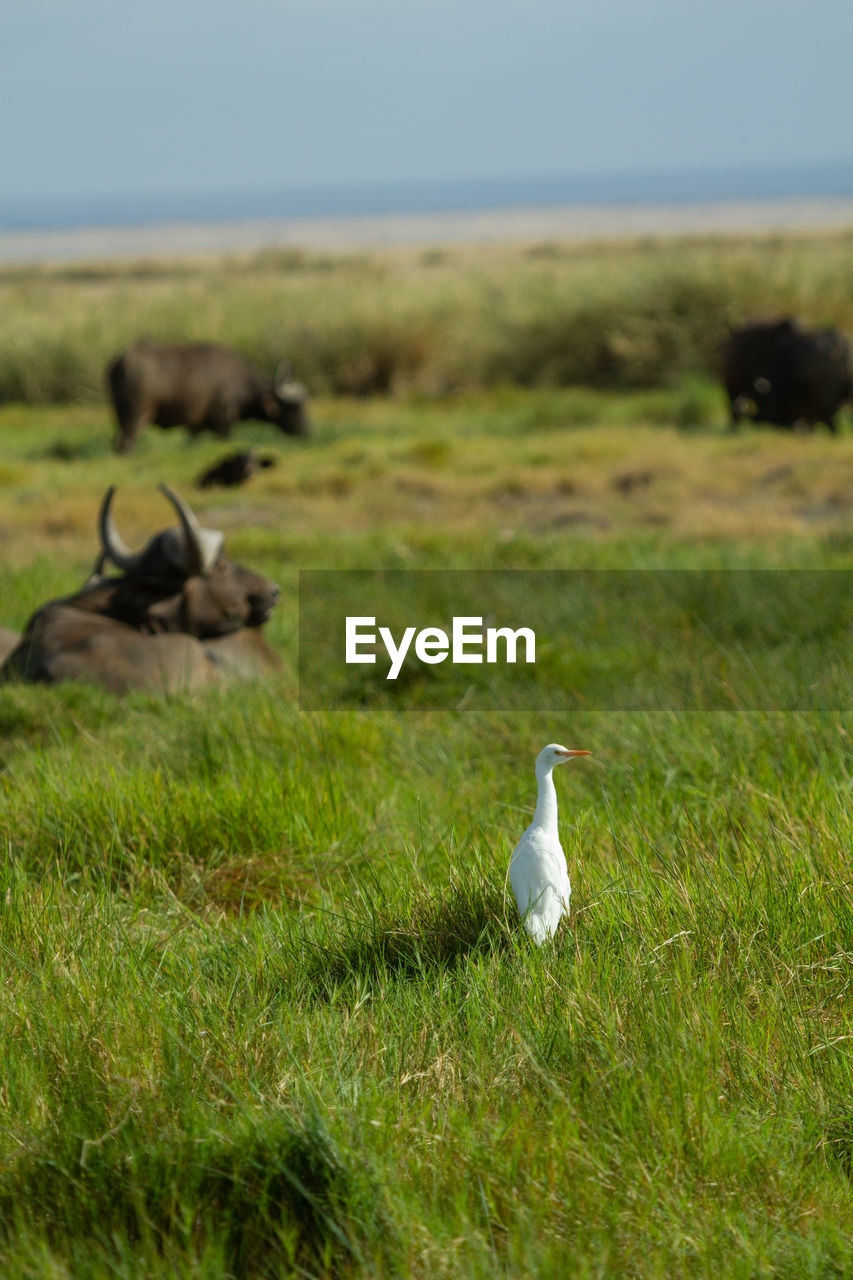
546, 802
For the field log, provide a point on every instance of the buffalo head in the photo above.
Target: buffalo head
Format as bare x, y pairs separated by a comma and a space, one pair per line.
287, 405
182, 580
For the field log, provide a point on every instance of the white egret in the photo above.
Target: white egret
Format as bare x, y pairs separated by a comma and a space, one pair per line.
537, 869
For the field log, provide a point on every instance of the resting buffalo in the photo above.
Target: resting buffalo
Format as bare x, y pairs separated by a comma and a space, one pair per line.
200, 386
234, 469
179, 615
781, 372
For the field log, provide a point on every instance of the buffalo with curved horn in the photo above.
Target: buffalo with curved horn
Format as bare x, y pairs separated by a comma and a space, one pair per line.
179, 615
201, 385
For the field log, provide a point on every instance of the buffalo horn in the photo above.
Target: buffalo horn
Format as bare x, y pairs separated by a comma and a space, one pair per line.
112, 542
202, 545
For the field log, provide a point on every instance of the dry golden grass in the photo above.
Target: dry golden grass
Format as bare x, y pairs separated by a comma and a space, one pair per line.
426, 482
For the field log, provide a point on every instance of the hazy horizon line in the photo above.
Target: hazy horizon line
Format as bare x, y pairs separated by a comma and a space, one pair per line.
424, 195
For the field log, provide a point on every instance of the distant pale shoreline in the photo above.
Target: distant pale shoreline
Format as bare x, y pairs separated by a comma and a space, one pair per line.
338, 234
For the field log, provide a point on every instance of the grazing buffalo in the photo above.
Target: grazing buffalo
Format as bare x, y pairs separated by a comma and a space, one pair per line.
234, 469
178, 615
201, 386
781, 372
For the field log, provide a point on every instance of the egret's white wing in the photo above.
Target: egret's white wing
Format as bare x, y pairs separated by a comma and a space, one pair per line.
540, 882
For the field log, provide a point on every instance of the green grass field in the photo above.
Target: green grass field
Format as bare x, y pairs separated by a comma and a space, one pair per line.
266, 1006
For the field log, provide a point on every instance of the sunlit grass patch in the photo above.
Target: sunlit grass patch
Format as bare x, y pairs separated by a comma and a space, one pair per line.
673, 1066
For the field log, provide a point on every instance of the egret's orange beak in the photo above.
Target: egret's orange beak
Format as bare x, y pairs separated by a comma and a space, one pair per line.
569, 754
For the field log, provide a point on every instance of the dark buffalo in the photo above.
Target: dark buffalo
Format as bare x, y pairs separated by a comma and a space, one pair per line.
201, 386
779, 371
178, 616
235, 469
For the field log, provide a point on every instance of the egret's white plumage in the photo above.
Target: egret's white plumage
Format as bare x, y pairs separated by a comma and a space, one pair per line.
537, 869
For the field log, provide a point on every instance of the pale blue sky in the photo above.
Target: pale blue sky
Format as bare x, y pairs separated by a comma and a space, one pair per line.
104, 97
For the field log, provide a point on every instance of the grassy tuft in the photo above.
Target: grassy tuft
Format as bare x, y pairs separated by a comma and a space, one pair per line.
261, 1194
408, 934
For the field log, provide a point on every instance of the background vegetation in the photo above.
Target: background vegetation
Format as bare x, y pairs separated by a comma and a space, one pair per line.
265, 1007
630, 315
